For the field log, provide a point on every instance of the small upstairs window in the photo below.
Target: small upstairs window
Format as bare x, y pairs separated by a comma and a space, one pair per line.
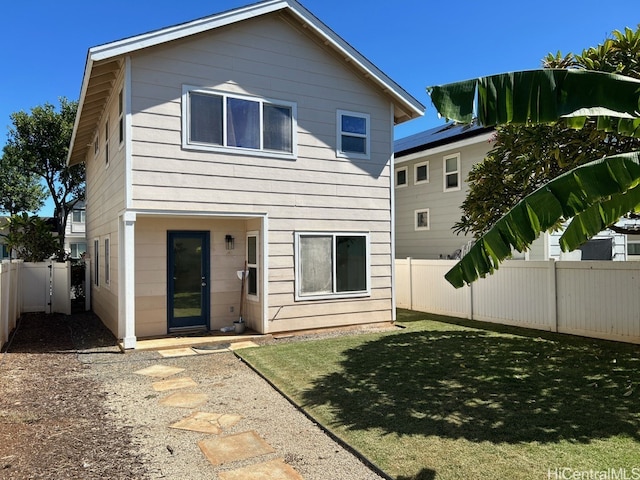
401, 177
451, 164
353, 134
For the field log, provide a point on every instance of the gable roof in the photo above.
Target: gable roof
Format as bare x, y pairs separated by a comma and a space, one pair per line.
104, 61
435, 137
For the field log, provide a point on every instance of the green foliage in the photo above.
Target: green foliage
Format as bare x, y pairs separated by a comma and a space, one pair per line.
30, 238
524, 157
604, 105
592, 194
38, 142
21, 191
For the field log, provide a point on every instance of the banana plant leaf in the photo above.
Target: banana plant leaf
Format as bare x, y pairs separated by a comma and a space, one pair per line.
598, 217
594, 193
544, 96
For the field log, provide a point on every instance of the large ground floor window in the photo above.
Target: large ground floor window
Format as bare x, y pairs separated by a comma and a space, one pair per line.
332, 265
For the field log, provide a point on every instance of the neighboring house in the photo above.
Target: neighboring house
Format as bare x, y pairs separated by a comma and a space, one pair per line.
431, 169
75, 239
75, 243
5, 253
254, 136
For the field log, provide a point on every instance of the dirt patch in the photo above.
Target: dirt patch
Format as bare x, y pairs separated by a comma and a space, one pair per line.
54, 421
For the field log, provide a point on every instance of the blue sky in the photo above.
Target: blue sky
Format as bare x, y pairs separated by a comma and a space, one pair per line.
43, 44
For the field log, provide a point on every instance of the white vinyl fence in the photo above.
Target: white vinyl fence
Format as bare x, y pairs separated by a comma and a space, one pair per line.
9, 298
593, 299
33, 287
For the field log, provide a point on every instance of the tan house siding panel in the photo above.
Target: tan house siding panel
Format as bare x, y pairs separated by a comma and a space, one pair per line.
105, 200
444, 207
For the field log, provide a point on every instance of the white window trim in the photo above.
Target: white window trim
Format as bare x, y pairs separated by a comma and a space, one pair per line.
96, 262
254, 233
415, 219
366, 136
335, 295
83, 216
107, 152
186, 115
121, 126
107, 261
415, 173
445, 173
406, 177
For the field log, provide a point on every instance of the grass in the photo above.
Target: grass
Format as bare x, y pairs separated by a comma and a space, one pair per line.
445, 398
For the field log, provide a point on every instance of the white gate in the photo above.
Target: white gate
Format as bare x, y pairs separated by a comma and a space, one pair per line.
46, 287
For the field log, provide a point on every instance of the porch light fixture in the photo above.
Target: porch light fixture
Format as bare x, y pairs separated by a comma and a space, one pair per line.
229, 241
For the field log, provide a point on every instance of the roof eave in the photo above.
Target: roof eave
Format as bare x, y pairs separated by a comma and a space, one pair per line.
406, 105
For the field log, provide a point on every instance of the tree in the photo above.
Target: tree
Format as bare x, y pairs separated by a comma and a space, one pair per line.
38, 142
21, 191
525, 157
594, 195
30, 238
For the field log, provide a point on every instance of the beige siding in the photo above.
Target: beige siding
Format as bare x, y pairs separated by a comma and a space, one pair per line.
105, 201
151, 272
444, 207
317, 191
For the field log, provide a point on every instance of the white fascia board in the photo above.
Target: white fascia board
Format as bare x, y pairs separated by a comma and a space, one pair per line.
485, 137
128, 45
157, 37
350, 54
83, 93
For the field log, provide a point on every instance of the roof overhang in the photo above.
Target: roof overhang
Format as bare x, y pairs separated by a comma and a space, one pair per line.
444, 146
105, 61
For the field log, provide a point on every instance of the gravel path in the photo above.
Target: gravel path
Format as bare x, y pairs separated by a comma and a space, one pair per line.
131, 410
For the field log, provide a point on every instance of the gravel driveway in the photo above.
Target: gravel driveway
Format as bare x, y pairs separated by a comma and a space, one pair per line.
73, 406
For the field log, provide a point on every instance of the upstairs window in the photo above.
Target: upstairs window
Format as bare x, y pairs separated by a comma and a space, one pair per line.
121, 117
106, 142
451, 164
353, 134
421, 173
401, 177
78, 216
219, 121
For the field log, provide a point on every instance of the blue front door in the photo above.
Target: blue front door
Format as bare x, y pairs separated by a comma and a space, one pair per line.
188, 280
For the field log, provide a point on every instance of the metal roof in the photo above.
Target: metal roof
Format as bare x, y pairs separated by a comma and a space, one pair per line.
437, 136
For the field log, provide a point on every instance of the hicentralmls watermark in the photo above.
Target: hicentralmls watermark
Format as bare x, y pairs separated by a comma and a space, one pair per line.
568, 473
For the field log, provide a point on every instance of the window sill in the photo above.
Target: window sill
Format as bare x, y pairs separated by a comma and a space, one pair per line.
332, 296
250, 152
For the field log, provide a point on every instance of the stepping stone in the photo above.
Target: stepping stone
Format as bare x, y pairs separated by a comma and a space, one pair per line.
159, 371
184, 400
177, 352
174, 384
241, 446
273, 470
240, 345
207, 422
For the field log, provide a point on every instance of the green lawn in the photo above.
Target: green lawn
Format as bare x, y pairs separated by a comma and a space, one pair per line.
451, 399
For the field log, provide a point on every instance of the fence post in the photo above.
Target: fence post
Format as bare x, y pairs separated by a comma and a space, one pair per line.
553, 296
410, 282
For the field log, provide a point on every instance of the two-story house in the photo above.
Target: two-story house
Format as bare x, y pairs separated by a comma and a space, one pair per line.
254, 137
75, 240
431, 168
